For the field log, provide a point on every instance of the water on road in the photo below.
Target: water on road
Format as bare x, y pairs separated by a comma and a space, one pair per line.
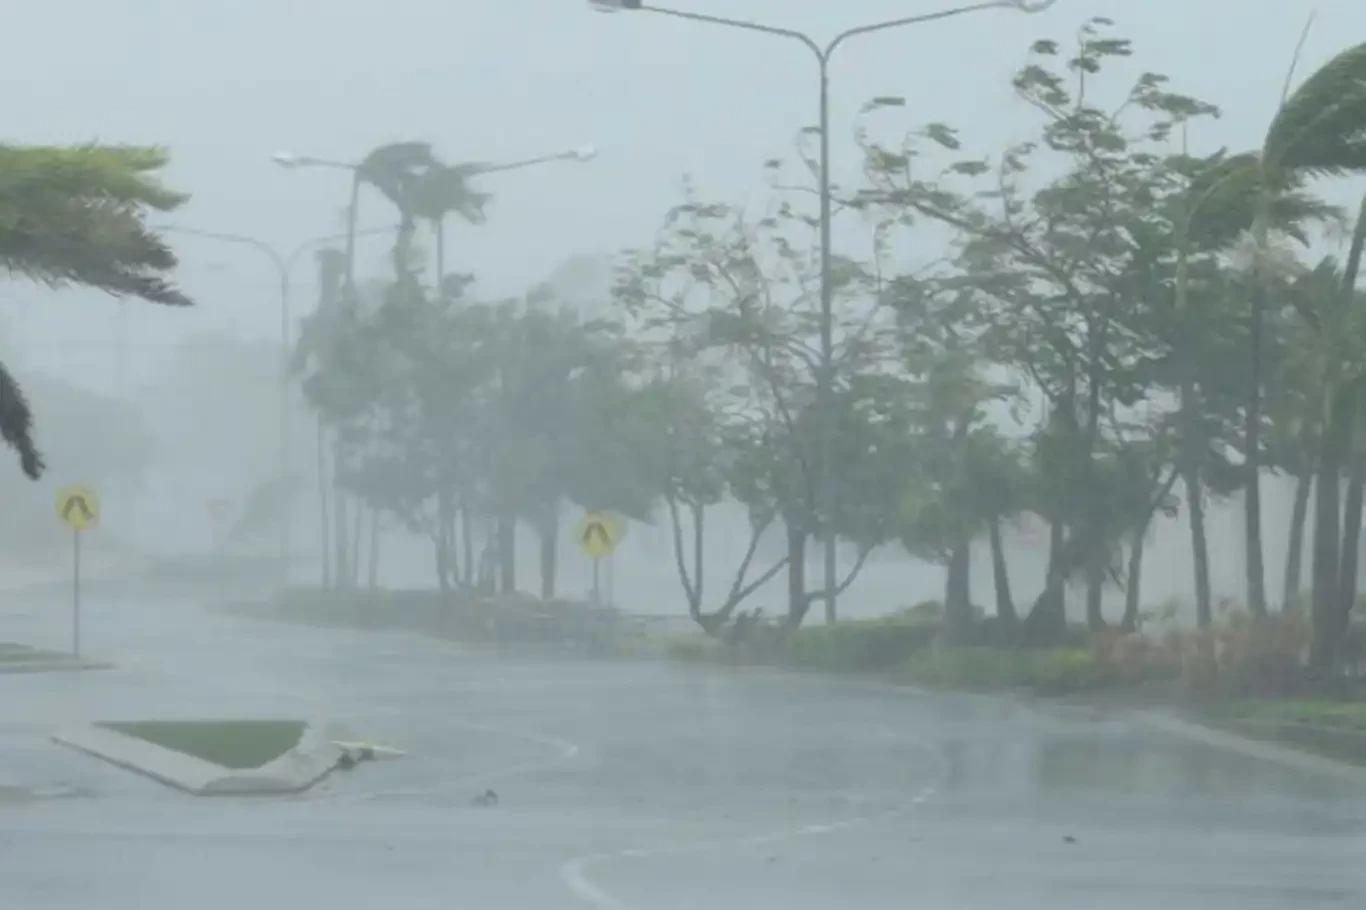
636, 786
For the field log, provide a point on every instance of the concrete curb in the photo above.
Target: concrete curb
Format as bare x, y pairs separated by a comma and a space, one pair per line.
302, 767
53, 665
1256, 748
11, 789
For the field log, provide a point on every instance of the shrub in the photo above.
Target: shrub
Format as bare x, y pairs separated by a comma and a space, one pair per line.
1051, 671
693, 647
859, 645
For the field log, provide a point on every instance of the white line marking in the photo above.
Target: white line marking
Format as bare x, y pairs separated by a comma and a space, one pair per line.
564, 751
574, 872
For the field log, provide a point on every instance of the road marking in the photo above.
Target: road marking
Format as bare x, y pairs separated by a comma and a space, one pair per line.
574, 872
564, 751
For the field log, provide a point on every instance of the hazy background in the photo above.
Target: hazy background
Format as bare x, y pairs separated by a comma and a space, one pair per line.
224, 85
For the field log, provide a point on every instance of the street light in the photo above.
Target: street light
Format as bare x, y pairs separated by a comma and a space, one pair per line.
292, 161
825, 380
283, 264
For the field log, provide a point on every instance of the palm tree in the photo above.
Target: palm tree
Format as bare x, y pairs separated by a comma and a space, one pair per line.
75, 216
1320, 130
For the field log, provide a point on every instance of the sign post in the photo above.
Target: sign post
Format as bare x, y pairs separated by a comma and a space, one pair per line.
598, 534
79, 509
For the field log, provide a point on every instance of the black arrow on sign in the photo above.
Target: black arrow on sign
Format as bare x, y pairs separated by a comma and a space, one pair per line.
75, 502
596, 529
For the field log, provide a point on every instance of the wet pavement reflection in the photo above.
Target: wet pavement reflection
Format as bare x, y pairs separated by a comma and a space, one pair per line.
648, 784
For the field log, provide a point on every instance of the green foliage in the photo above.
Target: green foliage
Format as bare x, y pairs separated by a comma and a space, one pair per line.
77, 216
235, 744
1321, 127
859, 645
1048, 672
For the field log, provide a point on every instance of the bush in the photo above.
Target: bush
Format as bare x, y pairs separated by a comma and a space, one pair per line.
1051, 672
859, 645
695, 648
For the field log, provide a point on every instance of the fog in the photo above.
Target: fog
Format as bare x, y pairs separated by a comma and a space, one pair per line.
226, 85
407, 732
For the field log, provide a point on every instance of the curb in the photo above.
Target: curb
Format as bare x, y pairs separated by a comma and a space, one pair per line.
304, 766
1263, 750
54, 665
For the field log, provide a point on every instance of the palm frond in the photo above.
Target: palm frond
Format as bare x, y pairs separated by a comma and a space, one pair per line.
16, 425
1320, 130
75, 216
445, 190
397, 170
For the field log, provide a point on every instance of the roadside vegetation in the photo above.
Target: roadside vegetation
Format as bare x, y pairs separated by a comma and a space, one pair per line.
1118, 319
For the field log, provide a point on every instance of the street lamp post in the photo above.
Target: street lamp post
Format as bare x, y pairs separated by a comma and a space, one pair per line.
291, 161
825, 380
284, 264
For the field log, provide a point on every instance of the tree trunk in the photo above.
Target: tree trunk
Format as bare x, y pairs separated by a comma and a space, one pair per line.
1195, 502
341, 567
958, 618
358, 526
1046, 622
1335, 444
1000, 576
1133, 584
1351, 539
441, 551
486, 573
549, 531
1252, 457
1096, 564
372, 580
797, 600
1327, 529
507, 552
324, 528
1294, 553
469, 579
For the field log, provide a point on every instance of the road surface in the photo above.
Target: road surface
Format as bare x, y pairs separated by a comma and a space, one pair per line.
637, 786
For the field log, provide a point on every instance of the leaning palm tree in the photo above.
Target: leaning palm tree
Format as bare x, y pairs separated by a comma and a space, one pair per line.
1320, 130
75, 216
445, 191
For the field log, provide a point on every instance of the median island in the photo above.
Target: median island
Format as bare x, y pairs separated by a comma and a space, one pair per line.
222, 756
235, 744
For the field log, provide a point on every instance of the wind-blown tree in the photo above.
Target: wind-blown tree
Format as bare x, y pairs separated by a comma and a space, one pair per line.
1061, 269
1102, 289
502, 412
77, 216
737, 293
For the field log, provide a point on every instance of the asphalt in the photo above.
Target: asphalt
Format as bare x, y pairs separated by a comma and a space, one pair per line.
636, 786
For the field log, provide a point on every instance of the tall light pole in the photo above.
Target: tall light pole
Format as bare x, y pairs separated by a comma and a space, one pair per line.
825, 381
283, 263
292, 161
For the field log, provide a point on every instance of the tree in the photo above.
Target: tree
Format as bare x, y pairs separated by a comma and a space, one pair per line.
725, 291
1062, 273
75, 216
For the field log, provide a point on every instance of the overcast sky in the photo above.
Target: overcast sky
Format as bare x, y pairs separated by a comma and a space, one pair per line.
225, 84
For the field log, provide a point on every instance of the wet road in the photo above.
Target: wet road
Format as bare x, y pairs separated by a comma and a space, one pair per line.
638, 786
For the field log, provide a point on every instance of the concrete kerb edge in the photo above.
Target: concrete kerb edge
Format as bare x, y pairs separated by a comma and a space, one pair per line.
1263, 750
55, 665
299, 769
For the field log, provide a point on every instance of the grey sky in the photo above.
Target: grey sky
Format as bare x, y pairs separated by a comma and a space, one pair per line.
226, 84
